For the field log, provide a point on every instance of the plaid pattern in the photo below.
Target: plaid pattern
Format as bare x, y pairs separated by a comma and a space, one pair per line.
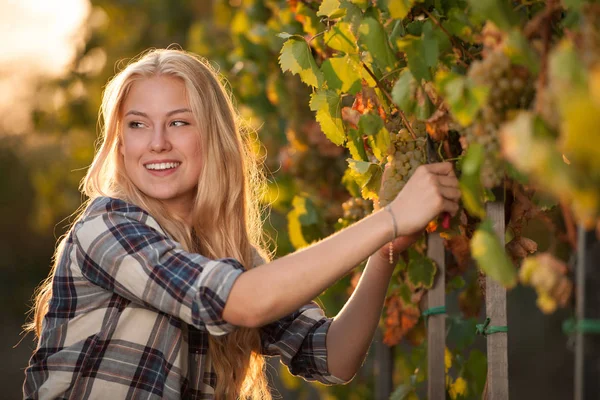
131, 313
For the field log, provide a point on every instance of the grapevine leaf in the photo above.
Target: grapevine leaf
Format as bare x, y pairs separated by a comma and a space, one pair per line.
310, 22
378, 136
461, 332
399, 8
331, 9
303, 221
498, 11
431, 48
403, 92
372, 38
341, 38
367, 175
297, 58
327, 105
354, 16
520, 52
464, 98
350, 183
491, 256
470, 184
476, 369
370, 124
356, 146
458, 24
342, 74
421, 271
362, 4
415, 54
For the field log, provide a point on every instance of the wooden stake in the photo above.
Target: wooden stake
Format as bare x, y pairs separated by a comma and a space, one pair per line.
495, 309
436, 324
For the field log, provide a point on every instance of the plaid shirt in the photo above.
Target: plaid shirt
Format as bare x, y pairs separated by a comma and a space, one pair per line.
131, 313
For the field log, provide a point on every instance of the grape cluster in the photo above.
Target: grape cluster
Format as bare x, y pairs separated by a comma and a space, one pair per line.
509, 85
356, 208
485, 134
509, 88
404, 157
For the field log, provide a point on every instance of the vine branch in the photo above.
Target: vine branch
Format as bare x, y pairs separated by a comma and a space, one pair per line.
450, 36
389, 97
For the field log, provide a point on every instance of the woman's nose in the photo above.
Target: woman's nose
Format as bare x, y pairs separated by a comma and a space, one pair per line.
160, 141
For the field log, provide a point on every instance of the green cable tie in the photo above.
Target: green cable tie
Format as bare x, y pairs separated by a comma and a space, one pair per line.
434, 311
485, 328
572, 325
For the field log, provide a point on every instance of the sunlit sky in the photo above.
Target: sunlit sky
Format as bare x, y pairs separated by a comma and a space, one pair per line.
38, 38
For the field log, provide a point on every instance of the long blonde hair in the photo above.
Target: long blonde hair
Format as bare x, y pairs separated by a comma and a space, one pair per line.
226, 214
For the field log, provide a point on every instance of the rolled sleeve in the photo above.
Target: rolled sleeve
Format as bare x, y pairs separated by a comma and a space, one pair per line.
300, 340
119, 250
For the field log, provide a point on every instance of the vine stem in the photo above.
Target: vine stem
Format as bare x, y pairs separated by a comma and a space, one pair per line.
389, 97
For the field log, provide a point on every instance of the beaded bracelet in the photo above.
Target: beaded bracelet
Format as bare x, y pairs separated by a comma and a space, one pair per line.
388, 208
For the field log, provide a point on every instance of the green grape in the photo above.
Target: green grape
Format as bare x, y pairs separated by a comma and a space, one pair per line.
356, 208
405, 156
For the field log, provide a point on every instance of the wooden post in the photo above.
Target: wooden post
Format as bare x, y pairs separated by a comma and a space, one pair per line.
495, 308
587, 346
383, 368
436, 324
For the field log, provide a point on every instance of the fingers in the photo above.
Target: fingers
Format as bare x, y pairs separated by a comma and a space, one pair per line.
450, 206
443, 168
449, 181
450, 193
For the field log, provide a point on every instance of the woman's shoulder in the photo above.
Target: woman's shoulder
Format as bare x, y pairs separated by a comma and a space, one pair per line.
114, 209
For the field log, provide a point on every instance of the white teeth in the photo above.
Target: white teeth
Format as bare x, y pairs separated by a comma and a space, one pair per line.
162, 166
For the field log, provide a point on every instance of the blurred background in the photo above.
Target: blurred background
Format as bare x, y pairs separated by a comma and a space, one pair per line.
55, 59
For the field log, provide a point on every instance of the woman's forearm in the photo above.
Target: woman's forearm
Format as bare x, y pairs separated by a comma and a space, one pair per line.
273, 290
351, 331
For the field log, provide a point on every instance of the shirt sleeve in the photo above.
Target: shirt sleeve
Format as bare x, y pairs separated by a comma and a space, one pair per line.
117, 251
299, 339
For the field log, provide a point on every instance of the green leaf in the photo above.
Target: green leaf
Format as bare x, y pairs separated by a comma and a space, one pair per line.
464, 98
429, 42
303, 215
461, 332
415, 55
399, 8
458, 282
498, 11
356, 146
475, 371
362, 4
372, 38
297, 58
327, 105
370, 124
520, 52
378, 136
421, 271
342, 74
491, 256
403, 92
367, 175
470, 183
341, 38
331, 9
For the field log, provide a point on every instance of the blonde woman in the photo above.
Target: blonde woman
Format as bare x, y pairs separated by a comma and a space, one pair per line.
162, 288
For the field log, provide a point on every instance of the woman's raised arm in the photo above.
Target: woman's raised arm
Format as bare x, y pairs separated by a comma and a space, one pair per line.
273, 290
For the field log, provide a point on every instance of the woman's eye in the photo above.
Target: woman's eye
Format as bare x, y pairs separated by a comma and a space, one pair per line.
135, 124
179, 123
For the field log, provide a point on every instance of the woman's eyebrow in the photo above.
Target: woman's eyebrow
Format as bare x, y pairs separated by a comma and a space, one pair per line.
173, 112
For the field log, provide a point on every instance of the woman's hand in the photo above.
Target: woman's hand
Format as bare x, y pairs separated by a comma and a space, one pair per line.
432, 190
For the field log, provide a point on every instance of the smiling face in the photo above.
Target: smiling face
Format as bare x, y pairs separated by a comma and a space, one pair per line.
161, 142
